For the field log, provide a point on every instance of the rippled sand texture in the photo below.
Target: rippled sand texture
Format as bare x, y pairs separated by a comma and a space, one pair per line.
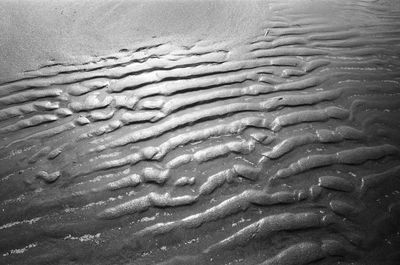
278, 147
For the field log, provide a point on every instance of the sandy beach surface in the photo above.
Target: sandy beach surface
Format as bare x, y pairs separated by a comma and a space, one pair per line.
200, 132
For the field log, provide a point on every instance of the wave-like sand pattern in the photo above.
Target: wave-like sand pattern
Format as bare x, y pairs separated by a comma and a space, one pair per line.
279, 148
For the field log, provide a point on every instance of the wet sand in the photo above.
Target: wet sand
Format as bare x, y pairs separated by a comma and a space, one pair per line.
214, 132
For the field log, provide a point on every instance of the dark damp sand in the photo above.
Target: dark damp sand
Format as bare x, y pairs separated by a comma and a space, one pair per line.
188, 132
